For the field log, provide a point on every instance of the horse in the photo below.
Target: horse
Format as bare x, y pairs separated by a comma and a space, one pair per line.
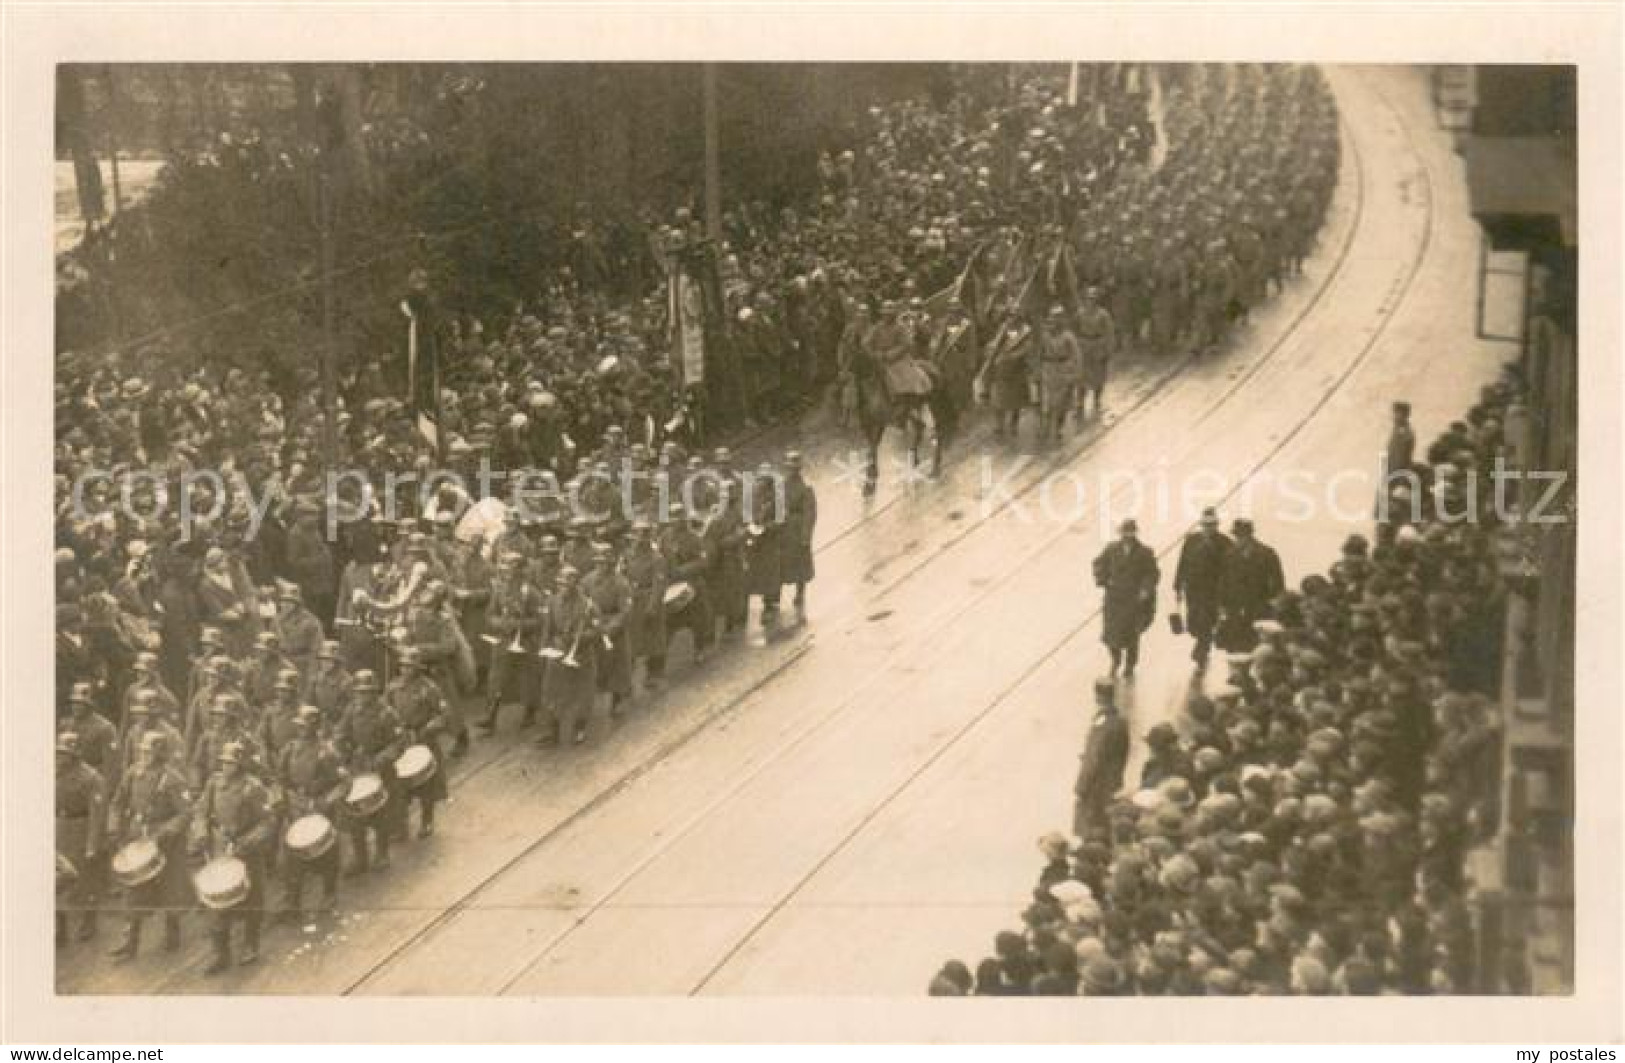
879, 409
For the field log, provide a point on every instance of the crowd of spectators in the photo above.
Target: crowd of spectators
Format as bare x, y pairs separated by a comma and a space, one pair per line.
1304, 828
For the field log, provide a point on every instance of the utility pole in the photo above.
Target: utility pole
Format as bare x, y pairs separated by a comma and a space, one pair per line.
713, 168
330, 436
1072, 85
113, 114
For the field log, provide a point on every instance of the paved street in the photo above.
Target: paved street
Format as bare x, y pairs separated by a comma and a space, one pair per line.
836, 807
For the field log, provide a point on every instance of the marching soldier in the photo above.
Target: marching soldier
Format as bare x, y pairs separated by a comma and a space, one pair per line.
420, 706
259, 678
297, 628
97, 738
279, 718
645, 573
210, 643
1059, 359
152, 802
148, 682
572, 680
370, 739
514, 617
235, 817
801, 521
217, 677
433, 634
727, 536
312, 777
689, 560
1203, 559
611, 596
1126, 572
226, 727
1097, 338
328, 685
469, 577
144, 721
81, 813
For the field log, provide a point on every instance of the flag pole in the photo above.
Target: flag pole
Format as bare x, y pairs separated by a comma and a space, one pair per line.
713, 166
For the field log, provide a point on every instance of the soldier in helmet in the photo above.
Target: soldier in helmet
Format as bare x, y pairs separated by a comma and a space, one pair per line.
370, 738
97, 738
312, 776
514, 618
81, 813
276, 724
328, 685
572, 680
143, 720
235, 817
226, 727
611, 596
420, 705
153, 802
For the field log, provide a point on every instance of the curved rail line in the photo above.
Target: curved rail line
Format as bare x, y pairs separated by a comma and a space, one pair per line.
1389, 311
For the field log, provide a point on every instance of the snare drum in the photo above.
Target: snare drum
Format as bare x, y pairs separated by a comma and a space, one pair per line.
367, 795
138, 863
222, 883
310, 837
678, 596
415, 766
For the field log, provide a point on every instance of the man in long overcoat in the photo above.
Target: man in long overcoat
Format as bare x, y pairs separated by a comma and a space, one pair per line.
1126, 572
1252, 579
1202, 562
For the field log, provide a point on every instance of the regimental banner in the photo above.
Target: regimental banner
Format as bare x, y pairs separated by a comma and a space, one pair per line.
688, 326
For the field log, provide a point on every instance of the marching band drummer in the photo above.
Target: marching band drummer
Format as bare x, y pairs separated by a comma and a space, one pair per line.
421, 706
152, 802
235, 819
312, 776
689, 560
369, 738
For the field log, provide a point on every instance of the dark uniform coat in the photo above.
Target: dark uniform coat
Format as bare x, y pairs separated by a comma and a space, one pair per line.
801, 520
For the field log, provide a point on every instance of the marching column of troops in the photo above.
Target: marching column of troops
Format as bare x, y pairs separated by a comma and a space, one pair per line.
277, 747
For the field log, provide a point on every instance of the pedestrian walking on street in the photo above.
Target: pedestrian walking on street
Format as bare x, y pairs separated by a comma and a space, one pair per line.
1252, 579
1105, 755
1127, 574
1197, 579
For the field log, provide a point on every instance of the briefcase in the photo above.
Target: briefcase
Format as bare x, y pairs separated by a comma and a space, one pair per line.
1176, 623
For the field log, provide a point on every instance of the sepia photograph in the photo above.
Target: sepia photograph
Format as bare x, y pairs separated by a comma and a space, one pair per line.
839, 527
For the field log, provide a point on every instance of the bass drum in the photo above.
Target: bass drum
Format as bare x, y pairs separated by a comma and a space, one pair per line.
222, 883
